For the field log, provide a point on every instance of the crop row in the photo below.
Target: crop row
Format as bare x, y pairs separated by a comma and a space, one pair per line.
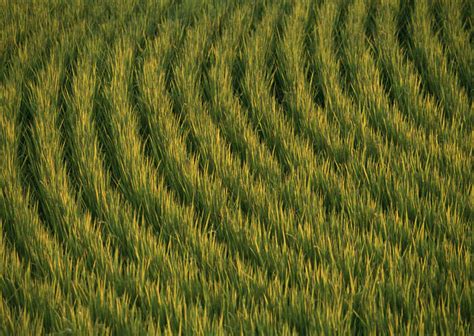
232, 166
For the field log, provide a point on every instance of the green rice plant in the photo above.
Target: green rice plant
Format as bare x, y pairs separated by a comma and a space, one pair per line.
161, 124
256, 89
231, 117
171, 219
181, 169
295, 154
60, 208
130, 236
361, 67
456, 41
211, 148
42, 257
298, 100
168, 146
347, 119
225, 109
407, 92
432, 64
53, 187
235, 167
51, 181
101, 199
137, 179
401, 75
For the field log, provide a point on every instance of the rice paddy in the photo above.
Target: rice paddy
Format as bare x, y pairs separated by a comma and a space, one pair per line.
236, 167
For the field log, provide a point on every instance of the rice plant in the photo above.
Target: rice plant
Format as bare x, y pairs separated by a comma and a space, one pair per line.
236, 167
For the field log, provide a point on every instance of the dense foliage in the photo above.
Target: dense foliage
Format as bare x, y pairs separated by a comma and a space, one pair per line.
236, 166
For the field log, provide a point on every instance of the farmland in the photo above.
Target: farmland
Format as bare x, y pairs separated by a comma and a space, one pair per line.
236, 167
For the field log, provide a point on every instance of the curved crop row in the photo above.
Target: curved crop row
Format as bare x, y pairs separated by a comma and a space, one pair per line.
214, 167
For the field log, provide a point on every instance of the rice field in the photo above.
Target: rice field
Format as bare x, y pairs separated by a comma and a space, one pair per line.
236, 167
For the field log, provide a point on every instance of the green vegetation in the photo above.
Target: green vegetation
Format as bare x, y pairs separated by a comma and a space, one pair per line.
243, 167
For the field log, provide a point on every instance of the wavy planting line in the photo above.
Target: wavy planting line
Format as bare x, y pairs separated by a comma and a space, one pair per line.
294, 153
427, 53
105, 204
182, 170
209, 145
134, 173
61, 209
455, 40
82, 100
47, 258
427, 148
308, 118
85, 156
41, 254
200, 237
342, 113
402, 81
327, 72
197, 248
371, 96
224, 107
346, 119
135, 288
51, 181
200, 131
360, 67
312, 121
254, 70
18, 210
20, 221
232, 119
343, 109
406, 91
175, 221
353, 136
169, 147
